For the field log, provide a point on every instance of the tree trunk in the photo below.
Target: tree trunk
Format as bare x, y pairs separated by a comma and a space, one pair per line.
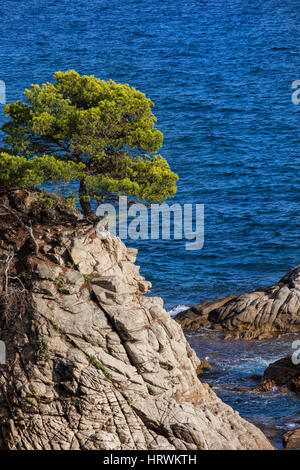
85, 203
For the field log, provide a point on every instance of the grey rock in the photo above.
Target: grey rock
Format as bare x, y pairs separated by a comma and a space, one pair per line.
85, 371
261, 314
282, 373
291, 439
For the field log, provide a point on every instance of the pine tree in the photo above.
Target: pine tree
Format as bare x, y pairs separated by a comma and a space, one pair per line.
80, 127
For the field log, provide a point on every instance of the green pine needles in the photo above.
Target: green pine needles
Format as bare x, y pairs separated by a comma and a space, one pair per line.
79, 127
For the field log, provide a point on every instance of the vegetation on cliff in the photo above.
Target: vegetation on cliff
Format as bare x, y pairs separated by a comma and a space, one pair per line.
92, 363
79, 127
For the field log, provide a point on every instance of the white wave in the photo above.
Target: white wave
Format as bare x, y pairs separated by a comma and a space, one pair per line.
292, 425
177, 309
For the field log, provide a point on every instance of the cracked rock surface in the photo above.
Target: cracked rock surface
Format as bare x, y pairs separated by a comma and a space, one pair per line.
261, 314
93, 363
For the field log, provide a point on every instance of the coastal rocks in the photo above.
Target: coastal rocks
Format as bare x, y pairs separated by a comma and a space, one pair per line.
92, 363
261, 314
203, 366
199, 315
265, 386
291, 440
282, 373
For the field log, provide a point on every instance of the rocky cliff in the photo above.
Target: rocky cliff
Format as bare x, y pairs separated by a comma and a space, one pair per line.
93, 363
261, 314
281, 373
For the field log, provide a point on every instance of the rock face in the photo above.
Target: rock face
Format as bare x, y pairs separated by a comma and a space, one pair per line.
291, 440
260, 314
281, 373
92, 363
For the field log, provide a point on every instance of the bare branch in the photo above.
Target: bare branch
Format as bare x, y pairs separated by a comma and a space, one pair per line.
14, 298
16, 278
28, 228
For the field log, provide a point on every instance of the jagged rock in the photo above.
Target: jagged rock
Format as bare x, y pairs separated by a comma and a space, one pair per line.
267, 385
291, 440
199, 315
47, 208
281, 373
203, 367
94, 364
260, 314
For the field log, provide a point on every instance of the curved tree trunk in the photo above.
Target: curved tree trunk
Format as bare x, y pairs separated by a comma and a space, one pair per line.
85, 203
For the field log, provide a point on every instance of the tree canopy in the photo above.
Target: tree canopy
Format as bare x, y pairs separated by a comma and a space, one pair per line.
80, 127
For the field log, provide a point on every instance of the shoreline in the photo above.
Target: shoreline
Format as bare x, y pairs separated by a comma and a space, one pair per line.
235, 363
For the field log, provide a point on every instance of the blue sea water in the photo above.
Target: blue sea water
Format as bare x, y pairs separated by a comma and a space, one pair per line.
220, 74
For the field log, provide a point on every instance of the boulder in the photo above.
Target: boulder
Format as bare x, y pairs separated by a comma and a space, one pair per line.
203, 366
281, 373
291, 440
261, 314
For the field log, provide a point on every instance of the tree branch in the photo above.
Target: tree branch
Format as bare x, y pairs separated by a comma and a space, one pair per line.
28, 228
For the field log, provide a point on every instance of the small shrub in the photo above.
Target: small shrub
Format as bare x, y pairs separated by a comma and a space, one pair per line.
87, 278
75, 400
42, 353
57, 328
16, 442
59, 282
94, 361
